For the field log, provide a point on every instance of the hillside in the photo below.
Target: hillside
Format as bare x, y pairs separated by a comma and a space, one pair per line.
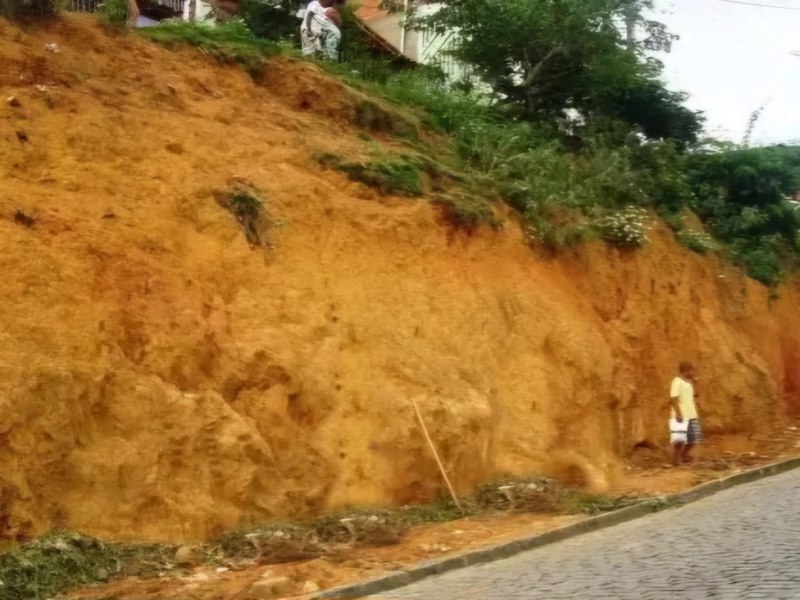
164, 379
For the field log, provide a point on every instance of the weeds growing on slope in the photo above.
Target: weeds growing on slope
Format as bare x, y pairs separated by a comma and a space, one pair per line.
115, 11
61, 561
545, 168
229, 42
246, 203
389, 173
699, 242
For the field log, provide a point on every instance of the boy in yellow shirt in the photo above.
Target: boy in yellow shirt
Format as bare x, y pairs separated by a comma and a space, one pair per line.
683, 398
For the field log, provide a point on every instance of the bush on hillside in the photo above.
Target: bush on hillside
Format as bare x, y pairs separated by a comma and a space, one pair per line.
272, 20
116, 11
626, 228
27, 8
390, 174
625, 144
699, 242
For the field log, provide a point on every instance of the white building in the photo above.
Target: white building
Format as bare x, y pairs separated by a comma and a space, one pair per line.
426, 47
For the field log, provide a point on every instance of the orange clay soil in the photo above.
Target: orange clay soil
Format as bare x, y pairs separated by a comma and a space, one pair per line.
163, 380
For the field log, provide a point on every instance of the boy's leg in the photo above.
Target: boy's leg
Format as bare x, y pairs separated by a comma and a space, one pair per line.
331, 46
693, 435
677, 450
685, 453
310, 43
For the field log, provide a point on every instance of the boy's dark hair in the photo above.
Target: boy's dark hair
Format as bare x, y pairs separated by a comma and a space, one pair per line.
685, 367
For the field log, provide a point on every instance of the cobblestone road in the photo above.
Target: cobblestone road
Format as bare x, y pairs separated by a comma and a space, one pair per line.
738, 544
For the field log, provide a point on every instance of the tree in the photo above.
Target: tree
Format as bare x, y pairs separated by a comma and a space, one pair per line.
27, 8
133, 13
271, 19
657, 111
544, 57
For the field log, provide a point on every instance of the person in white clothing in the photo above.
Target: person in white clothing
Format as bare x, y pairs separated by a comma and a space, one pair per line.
683, 400
319, 30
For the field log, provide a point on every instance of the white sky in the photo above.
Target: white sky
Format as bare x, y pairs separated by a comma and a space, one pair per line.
732, 59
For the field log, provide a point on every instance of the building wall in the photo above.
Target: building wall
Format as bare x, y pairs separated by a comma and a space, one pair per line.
202, 11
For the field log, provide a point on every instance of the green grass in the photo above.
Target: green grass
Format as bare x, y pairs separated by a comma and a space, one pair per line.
467, 211
440, 511
230, 42
524, 163
593, 504
701, 243
246, 203
61, 561
388, 173
115, 11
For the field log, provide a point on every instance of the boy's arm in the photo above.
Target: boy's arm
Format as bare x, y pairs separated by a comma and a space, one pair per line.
674, 394
676, 407
334, 15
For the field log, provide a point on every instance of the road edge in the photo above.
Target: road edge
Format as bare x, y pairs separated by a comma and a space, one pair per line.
398, 579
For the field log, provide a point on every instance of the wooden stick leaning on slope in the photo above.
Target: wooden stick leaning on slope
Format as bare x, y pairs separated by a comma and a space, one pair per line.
436, 456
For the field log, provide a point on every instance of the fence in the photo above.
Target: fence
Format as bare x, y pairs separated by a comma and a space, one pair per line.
436, 49
158, 7
86, 6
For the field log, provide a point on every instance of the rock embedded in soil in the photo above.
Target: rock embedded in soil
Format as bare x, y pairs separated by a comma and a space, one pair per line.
271, 587
187, 556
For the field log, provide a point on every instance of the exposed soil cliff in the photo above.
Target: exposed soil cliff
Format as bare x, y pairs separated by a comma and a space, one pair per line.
160, 378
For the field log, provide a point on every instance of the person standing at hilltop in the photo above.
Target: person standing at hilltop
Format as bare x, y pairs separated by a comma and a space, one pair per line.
319, 31
683, 400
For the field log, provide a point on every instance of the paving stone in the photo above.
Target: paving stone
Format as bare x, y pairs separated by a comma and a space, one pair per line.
739, 544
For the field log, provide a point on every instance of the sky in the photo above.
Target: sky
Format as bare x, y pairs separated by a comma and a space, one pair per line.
733, 58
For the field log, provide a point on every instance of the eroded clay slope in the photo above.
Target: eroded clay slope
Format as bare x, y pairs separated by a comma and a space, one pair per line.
160, 378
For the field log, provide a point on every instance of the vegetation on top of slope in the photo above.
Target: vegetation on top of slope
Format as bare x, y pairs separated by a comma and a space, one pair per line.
27, 8
571, 180
230, 42
743, 196
390, 173
562, 114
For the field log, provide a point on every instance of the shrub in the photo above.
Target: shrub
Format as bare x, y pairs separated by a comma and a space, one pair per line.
626, 228
761, 262
60, 561
246, 205
467, 211
674, 220
28, 8
699, 242
390, 174
115, 11
245, 202
272, 20
229, 42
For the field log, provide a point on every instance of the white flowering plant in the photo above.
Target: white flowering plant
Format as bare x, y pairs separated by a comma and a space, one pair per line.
626, 228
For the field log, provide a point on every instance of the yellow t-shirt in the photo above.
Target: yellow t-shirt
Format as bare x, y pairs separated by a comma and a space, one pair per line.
684, 392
